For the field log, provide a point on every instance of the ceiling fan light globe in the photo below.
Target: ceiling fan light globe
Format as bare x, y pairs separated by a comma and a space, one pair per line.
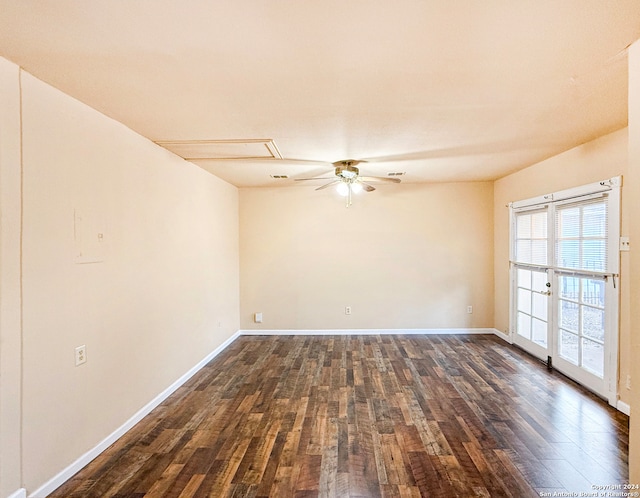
356, 187
343, 189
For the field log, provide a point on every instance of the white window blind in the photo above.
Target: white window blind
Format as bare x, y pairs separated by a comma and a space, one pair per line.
530, 245
581, 230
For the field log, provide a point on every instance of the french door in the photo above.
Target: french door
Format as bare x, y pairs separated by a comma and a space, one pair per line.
564, 297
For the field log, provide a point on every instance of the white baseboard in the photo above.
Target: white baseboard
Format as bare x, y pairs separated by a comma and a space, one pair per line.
371, 331
623, 407
503, 336
58, 480
20, 493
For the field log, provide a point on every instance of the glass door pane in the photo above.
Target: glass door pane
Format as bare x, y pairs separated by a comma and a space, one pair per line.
530, 245
532, 309
581, 322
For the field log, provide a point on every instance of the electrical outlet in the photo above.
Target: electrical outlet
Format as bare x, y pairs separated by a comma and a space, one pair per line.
81, 355
469, 309
347, 310
628, 382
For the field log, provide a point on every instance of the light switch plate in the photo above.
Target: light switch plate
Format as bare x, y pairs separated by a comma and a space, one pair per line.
624, 244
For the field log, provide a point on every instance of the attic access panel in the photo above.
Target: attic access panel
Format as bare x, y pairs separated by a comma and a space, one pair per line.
223, 149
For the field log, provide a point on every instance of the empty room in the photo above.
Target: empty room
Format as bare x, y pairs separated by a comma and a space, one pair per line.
319, 249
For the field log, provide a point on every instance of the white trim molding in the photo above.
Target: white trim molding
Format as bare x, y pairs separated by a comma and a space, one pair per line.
20, 493
372, 331
59, 479
624, 408
505, 336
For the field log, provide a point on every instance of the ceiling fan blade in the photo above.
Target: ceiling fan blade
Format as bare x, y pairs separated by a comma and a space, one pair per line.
380, 179
366, 187
314, 178
334, 182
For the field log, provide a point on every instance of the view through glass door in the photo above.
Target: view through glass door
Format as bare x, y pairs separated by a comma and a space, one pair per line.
564, 301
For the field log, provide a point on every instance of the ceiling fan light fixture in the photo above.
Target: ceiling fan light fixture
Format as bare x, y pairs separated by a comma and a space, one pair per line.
349, 181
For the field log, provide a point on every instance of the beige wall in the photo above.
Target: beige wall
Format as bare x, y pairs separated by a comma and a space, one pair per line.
10, 327
164, 296
403, 257
633, 193
594, 161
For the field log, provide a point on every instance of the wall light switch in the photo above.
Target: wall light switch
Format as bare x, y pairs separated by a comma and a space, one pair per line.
624, 243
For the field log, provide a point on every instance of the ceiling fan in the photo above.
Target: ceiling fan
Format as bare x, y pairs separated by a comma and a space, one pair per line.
348, 179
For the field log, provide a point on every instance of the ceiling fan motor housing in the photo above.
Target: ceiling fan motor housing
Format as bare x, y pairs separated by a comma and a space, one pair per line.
347, 170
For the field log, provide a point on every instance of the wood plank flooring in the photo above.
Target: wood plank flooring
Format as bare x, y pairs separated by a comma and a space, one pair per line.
366, 416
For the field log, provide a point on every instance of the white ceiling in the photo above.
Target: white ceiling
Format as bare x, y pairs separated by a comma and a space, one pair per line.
441, 90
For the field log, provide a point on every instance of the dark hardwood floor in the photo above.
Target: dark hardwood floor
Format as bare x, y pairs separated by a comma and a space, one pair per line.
366, 416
